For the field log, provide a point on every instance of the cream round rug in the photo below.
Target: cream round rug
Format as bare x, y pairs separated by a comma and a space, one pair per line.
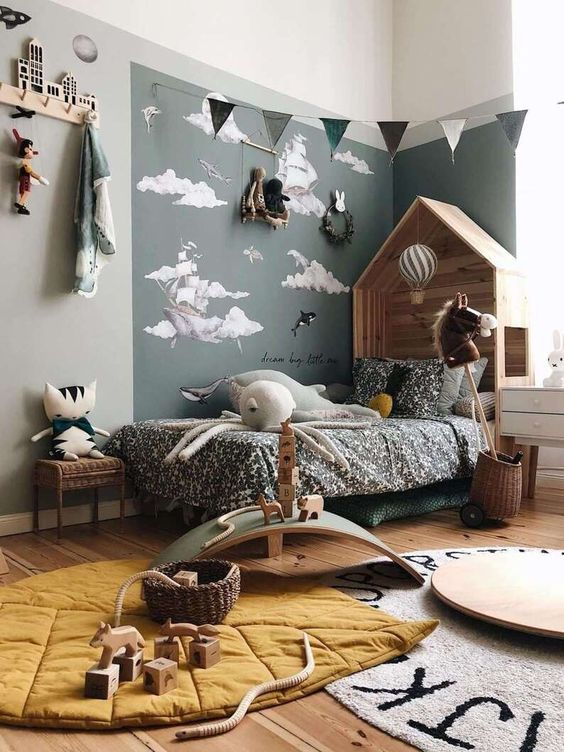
471, 685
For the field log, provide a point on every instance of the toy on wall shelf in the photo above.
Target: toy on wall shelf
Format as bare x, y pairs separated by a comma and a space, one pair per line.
556, 362
72, 432
328, 227
266, 205
26, 173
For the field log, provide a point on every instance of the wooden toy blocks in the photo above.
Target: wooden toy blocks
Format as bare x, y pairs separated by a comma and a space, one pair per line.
205, 652
184, 577
130, 667
167, 648
160, 676
289, 476
101, 683
286, 492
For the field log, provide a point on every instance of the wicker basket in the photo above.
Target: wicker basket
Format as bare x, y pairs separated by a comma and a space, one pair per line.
496, 486
206, 603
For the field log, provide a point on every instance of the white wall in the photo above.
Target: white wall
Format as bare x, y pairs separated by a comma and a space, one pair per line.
538, 66
336, 54
449, 55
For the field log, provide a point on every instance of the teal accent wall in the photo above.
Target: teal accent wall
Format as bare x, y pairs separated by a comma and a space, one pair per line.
319, 353
481, 181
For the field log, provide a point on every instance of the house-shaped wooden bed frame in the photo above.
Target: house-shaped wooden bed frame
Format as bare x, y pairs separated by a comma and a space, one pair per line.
387, 324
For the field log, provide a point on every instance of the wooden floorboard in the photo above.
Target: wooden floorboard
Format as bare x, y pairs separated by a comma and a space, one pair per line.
317, 723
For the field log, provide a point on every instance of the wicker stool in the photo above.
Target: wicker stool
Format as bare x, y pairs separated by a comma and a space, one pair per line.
72, 476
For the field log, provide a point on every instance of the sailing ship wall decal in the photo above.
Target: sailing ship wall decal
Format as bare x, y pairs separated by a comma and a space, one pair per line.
299, 178
188, 297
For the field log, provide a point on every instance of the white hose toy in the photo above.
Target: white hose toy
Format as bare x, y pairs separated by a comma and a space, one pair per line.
213, 728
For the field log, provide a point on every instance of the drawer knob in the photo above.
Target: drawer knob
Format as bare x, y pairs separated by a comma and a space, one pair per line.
536, 424
536, 402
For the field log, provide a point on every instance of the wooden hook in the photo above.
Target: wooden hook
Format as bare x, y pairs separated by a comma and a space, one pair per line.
46, 102
24, 95
68, 108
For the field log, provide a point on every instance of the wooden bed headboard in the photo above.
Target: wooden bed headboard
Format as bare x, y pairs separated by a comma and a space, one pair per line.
387, 324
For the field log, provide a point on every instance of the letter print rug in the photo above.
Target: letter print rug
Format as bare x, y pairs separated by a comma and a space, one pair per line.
470, 686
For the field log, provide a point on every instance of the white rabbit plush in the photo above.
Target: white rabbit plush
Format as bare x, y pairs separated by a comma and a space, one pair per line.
556, 361
340, 201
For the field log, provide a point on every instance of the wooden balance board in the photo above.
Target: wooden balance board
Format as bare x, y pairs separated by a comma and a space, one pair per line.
525, 593
251, 525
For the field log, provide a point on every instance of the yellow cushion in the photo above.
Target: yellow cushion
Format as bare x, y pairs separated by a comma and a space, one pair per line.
47, 621
382, 403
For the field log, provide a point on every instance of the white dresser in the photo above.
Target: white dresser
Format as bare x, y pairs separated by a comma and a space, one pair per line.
531, 416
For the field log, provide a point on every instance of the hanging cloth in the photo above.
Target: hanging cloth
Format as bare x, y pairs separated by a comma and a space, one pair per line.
453, 130
219, 112
95, 235
275, 123
335, 130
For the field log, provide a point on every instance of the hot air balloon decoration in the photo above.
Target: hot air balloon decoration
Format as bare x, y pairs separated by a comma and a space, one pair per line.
418, 265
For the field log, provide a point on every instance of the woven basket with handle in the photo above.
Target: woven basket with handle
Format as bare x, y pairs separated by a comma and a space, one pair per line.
496, 486
219, 585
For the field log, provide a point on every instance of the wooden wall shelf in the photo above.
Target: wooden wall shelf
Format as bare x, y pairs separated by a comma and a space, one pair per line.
45, 105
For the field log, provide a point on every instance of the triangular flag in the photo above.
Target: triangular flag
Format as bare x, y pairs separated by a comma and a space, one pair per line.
275, 123
392, 132
219, 112
335, 130
453, 130
512, 124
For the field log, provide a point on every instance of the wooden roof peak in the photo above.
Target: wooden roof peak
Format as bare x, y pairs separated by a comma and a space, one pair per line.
459, 224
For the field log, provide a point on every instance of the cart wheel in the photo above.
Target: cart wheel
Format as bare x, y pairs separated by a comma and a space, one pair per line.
472, 515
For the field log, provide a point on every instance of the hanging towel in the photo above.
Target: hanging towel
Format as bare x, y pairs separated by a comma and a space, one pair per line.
96, 241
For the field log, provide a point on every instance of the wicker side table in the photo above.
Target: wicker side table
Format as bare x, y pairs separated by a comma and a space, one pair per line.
72, 476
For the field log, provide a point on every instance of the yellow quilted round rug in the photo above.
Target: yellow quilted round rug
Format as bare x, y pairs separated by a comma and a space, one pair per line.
47, 621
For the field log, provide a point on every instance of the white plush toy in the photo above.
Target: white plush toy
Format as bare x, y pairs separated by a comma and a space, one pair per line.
72, 432
487, 322
556, 361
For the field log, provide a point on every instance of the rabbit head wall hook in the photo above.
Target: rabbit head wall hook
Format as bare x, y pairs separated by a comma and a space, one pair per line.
340, 201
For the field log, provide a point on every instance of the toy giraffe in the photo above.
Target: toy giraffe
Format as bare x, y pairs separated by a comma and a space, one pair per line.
288, 473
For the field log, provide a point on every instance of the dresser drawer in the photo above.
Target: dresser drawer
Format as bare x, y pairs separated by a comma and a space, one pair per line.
533, 426
533, 401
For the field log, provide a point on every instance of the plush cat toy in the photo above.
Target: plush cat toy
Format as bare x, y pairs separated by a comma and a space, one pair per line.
73, 435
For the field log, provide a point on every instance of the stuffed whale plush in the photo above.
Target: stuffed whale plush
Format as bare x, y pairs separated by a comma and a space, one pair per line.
308, 399
72, 432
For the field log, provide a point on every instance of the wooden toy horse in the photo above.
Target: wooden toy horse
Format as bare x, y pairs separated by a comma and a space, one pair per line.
269, 508
455, 329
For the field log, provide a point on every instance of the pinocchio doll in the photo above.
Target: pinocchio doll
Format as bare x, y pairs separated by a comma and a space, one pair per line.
25, 172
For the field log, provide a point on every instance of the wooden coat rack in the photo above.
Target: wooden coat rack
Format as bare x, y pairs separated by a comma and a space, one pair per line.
46, 105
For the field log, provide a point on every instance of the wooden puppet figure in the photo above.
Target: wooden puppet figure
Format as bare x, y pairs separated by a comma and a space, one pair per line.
25, 172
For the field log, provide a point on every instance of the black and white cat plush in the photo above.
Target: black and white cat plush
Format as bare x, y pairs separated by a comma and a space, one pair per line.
72, 432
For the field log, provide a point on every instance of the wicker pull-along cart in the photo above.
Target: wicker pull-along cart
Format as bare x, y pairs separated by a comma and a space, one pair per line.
495, 493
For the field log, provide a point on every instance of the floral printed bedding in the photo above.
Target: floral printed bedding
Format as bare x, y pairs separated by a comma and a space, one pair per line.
393, 455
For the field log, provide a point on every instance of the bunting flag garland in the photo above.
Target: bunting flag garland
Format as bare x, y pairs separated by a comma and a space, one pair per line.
219, 112
512, 124
453, 130
275, 123
335, 130
392, 132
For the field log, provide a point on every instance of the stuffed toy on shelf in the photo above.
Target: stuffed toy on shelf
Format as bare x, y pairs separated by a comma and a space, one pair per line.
556, 362
265, 203
25, 172
72, 432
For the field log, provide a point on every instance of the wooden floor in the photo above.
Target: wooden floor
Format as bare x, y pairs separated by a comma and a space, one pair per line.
315, 723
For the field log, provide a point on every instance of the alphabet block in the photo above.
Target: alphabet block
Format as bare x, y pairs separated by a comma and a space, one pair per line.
286, 492
164, 648
184, 577
287, 459
289, 476
287, 444
101, 683
160, 676
129, 667
205, 652
288, 508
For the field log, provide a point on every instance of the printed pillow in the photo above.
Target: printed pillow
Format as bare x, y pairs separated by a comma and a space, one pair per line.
450, 390
370, 376
479, 368
464, 406
419, 392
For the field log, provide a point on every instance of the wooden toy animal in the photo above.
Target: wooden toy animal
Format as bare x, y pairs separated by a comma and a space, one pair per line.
310, 506
185, 629
269, 508
287, 429
111, 639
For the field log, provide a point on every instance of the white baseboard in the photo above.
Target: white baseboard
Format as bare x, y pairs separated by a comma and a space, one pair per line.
550, 480
22, 522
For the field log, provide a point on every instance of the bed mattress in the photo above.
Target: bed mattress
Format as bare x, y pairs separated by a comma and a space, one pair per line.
392, 455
